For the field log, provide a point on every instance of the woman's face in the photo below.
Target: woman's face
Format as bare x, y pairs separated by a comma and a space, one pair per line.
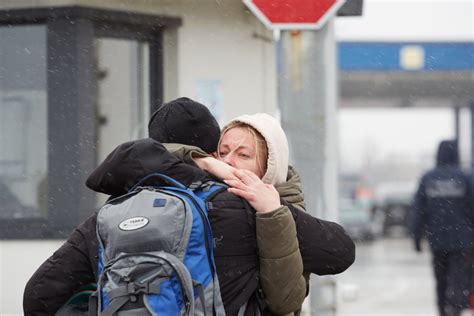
237, 148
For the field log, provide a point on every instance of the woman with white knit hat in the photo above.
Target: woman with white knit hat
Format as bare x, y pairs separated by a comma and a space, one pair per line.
257, 149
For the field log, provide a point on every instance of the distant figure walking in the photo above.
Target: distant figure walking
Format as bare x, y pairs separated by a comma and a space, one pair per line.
443, 213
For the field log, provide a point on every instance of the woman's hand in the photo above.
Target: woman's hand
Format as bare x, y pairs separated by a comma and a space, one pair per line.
263, 197
216, 167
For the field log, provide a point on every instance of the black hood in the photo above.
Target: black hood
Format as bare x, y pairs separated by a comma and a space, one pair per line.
132, 161
447, 153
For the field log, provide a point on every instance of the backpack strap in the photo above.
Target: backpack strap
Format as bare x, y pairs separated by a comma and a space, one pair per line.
260, 301
200, 290
259, 305
134, 289
208, 190
121, 295
93, 303
115, 306
164, 178
195, 185
242, 309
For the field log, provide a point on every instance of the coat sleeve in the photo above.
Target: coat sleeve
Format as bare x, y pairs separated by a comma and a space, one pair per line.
418, 212
470, 198
291, 191
185, 153
62, 274
325, 247
132, 161
281, 265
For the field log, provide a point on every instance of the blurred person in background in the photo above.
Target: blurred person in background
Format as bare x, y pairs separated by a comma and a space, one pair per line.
442, 212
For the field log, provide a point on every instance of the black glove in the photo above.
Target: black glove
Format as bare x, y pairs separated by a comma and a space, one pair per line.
418, 246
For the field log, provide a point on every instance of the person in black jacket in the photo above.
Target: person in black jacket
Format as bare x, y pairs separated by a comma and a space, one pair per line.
325, 248
442, 211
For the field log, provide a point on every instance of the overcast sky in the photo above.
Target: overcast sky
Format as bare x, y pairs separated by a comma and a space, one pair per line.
417, 20
411, 133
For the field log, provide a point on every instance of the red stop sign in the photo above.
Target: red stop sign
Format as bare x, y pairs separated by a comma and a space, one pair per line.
294, 14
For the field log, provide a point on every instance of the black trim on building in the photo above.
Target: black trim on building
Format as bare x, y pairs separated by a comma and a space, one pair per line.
149, 22
156, 71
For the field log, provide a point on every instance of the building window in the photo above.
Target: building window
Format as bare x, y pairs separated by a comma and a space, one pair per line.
61, 69
123, 89
23, 122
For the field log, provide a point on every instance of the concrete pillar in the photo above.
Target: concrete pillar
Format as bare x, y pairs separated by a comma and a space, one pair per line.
457, 123
472, 135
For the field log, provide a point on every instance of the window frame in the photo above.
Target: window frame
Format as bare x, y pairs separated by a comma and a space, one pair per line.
71, 95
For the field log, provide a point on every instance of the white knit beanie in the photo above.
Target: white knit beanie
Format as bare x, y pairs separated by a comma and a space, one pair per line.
277, 144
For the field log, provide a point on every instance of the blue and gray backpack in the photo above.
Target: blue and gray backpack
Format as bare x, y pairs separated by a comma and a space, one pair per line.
156, 251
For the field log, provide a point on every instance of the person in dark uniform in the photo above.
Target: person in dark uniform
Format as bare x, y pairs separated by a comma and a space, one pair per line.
442, 212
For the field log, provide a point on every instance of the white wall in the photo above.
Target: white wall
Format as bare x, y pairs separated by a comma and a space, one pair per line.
216, 43
18, 261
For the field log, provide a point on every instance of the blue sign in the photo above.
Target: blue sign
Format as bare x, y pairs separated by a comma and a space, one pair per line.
409, 56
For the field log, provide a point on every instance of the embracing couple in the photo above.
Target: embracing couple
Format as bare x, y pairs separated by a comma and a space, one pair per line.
264, 253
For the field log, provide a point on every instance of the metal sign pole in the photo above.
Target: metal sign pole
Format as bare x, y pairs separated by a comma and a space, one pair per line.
308, 104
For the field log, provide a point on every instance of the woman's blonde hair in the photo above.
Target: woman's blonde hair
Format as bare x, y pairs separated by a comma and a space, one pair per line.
261, 148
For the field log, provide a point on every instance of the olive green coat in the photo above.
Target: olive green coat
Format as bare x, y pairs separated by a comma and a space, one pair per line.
281, 266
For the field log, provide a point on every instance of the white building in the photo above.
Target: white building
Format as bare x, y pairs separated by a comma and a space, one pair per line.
74, 74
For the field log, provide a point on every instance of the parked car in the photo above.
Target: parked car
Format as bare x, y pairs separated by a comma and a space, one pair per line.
358, 221
393, 202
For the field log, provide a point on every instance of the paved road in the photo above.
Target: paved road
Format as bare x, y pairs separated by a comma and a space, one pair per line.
388, 279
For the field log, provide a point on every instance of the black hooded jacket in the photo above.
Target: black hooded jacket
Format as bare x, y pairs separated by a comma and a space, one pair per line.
324, 246
442, 207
